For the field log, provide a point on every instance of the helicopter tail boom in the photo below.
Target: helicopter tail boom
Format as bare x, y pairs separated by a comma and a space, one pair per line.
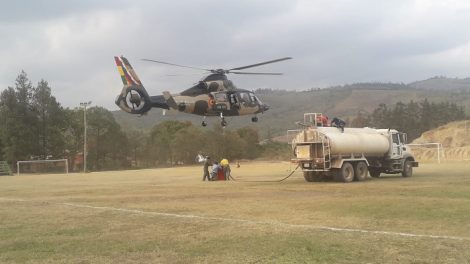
169, 100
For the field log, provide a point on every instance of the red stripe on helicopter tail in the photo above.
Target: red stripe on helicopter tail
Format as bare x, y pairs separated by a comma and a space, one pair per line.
121, 70
118, 62
128, 76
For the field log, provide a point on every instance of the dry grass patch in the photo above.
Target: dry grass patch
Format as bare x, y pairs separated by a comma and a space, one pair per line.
43, 228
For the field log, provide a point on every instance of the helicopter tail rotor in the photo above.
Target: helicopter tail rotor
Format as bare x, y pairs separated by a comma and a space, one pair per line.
133, 98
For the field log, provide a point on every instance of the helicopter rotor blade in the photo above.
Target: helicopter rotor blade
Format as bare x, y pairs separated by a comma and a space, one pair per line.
179, 75
177, 65
261, 63
257, 73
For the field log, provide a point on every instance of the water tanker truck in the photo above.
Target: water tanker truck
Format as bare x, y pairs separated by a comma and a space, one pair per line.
351, 153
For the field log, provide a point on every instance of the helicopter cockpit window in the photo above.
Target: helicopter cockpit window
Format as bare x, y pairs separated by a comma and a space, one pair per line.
221, 97
253, 97
244, 97
233, 99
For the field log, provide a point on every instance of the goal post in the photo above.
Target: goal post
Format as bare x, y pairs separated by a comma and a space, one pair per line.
437, 146
34, 165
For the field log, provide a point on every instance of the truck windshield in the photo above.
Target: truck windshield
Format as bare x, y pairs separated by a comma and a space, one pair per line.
403, 138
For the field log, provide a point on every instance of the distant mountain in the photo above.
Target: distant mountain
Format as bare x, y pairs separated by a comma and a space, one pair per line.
287, 107
442, 84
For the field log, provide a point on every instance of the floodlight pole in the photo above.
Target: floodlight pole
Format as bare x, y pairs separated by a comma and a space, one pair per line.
84, 105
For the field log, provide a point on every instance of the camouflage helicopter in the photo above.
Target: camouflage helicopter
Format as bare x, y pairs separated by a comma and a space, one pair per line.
214, 95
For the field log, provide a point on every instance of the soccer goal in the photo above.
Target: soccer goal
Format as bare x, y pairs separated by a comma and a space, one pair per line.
42, 166
428, 151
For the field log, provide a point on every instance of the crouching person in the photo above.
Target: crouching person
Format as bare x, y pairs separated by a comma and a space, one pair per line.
226, 169
215, 170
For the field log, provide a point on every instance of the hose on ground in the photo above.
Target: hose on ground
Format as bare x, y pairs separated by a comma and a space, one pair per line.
285, 178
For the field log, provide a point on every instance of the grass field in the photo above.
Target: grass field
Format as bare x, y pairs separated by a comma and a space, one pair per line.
171, 216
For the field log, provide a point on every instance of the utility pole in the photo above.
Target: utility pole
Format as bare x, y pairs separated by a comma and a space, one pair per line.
84, 105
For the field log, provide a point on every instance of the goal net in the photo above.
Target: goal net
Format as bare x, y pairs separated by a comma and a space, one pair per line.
42, 166
428, 152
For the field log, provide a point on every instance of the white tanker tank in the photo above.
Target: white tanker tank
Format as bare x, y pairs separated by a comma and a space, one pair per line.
349, 154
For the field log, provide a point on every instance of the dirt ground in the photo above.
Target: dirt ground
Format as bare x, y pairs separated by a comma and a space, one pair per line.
171, 216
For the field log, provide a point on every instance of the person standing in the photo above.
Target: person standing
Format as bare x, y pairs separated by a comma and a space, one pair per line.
207, 163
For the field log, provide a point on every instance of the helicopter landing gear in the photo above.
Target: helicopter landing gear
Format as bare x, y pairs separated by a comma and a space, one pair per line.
204, 122
254, 119
223, 123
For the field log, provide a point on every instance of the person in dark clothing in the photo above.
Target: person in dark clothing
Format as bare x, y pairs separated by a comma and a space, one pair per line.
336, 122
207, 163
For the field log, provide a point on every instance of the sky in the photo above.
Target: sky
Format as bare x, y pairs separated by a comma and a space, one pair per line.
71, 44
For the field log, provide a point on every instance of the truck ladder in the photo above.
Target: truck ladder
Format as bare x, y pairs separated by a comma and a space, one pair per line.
326, 152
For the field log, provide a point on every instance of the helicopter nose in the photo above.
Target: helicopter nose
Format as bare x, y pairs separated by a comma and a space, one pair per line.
265, 107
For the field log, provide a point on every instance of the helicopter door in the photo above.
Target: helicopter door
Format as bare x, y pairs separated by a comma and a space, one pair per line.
234, 101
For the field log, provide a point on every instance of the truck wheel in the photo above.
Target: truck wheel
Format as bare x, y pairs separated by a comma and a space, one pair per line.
407, 169
317, 176
360, 171
375, 173
308, 176
313, 176
345, 174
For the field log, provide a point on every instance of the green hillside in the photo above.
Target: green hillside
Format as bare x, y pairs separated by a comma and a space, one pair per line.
287, 107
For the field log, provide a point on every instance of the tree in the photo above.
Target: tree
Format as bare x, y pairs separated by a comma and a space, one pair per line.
186, 143
73, 133
161, 137
360, 120
412, 122
415, 118
381, 116
107, 144
137, 140
251, 138
8, 107
398, 117
19, 122
51, 122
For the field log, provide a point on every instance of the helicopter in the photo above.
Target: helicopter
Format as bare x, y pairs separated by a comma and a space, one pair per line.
213, 95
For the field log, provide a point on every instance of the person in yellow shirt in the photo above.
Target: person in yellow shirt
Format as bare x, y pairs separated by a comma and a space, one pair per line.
226, 168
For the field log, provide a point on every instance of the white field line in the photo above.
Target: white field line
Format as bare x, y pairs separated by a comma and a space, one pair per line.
244, 221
